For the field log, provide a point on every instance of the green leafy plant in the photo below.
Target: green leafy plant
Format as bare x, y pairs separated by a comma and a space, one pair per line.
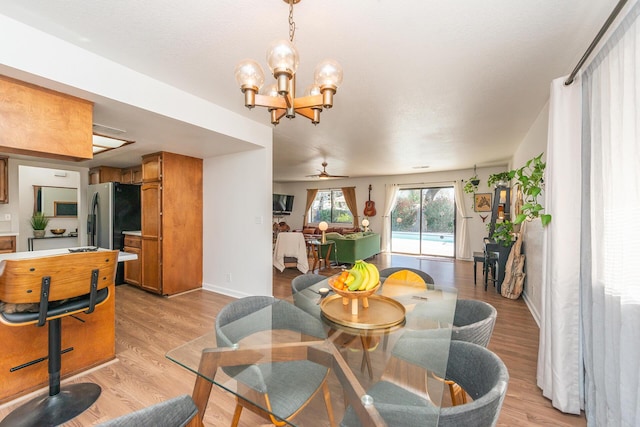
505, 176
471, 186
503, 233
39, 221
530, 178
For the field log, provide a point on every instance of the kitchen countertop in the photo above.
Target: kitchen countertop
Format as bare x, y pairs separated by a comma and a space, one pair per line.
9, 234
132, 233
122, 256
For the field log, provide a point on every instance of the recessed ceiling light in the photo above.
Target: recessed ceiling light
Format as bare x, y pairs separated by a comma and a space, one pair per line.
103, 143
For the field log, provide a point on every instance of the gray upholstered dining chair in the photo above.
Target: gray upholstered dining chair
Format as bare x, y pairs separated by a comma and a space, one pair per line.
473, 321
299, 284
386, 272
302, 282
285, 387
176, 412
477, 369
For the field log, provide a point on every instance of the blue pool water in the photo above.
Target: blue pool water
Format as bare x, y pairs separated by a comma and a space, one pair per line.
429, 237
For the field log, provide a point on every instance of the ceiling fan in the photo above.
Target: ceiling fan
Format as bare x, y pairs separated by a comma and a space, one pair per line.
324, 174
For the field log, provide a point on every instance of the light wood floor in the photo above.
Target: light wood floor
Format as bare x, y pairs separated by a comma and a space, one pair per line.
147, 326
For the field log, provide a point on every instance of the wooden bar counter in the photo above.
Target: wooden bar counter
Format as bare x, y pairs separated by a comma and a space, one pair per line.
88, 340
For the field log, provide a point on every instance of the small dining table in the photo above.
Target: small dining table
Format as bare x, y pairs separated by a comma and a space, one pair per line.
371, 335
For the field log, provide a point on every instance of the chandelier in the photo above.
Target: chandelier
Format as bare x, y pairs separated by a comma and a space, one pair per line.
280, 97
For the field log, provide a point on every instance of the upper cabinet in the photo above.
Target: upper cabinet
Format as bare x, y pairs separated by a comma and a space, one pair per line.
40, 122
131, 175
100, 174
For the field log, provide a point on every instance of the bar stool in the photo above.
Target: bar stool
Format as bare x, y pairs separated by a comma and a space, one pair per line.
492, 266
477, 257
60, 285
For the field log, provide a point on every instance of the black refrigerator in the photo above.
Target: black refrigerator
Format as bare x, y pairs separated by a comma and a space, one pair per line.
113, 208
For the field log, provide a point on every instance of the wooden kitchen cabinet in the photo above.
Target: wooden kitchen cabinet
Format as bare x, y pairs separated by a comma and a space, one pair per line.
41, 122
171, 199
152, 167
4, 179
132, 269
7, 244
131, 175
101, 174
151, 203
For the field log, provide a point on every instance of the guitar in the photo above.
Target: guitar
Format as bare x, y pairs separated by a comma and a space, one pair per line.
369, 206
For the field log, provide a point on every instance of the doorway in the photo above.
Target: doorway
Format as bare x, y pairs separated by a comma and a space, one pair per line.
423, 222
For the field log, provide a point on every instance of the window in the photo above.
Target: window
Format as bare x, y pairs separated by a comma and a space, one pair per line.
330, 206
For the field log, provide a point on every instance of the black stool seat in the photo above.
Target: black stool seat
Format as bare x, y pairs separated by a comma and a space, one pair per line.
74, 305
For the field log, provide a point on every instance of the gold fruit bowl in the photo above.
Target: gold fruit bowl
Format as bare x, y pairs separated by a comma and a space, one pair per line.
351, 294
58, 231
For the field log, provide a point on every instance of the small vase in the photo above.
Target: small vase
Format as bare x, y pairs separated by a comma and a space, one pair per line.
38, 233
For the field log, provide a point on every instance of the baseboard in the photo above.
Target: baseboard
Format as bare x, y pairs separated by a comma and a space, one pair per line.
532, 309
224, 291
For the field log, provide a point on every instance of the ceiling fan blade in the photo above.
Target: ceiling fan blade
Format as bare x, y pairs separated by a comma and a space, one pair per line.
324, 174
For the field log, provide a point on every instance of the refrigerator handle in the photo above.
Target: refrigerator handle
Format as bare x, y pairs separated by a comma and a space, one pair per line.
92, 226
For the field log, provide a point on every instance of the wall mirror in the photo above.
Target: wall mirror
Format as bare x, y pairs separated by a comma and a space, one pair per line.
55, 201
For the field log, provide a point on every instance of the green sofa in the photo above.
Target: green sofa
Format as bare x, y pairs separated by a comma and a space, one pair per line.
351, 247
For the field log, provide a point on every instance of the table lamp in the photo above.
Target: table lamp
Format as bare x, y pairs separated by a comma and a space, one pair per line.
365, 224
323, 227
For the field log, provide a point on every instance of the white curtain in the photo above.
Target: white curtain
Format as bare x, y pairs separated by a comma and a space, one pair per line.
590, 320
391, 194
611, 295
462, 233
559, 361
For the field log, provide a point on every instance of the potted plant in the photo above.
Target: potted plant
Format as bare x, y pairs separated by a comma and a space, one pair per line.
504, 234
530, 179
501, 178
471, 186
39, 223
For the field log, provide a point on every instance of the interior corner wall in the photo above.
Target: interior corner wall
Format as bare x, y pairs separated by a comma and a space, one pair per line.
534, 143
237, 233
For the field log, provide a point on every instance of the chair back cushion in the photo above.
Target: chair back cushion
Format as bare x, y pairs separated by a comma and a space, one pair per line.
246, 316
386, 272
21, 279
473, 322
482, 374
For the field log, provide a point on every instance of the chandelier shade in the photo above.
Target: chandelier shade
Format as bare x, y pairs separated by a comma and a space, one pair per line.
280, 98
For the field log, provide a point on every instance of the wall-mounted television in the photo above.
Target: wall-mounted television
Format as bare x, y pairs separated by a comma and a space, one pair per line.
282, 204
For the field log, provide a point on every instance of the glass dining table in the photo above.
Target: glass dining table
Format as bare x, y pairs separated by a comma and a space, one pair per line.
359, 350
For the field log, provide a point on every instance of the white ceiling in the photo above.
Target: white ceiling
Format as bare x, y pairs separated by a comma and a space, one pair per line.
443, 84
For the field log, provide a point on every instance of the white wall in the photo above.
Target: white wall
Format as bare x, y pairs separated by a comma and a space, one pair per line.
23, 175
477, 228
237, 223
532, 145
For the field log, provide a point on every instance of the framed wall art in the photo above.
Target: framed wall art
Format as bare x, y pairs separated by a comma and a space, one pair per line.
482, 202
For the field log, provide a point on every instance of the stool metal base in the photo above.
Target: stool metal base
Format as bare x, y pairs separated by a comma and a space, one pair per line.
50, 411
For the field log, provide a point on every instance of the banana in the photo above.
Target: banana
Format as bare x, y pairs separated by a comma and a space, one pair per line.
374, 276
357, 281
360, 265
349, 279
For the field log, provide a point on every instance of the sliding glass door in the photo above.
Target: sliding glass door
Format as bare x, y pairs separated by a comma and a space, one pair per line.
423, 222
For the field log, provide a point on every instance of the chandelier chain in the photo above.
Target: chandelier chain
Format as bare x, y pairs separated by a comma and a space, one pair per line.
292, 24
